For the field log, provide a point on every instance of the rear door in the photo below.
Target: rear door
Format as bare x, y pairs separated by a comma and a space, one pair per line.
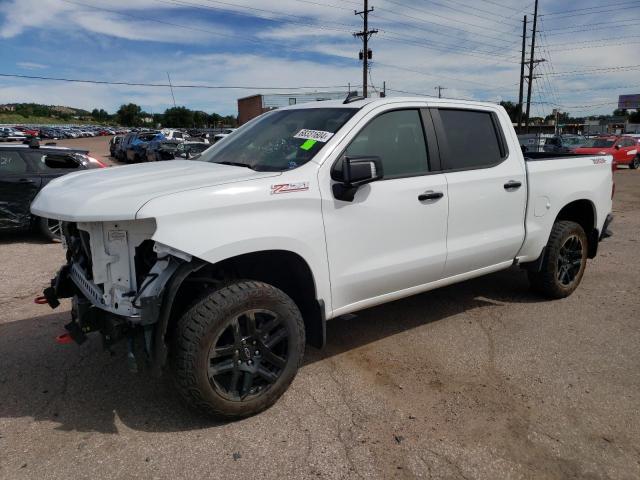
486, 186
18, 187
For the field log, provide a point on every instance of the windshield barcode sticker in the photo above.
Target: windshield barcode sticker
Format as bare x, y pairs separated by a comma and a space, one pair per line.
318, 135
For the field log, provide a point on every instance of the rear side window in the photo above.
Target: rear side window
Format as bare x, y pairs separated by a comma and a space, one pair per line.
397, 138
472, 139
51, 162
11, 163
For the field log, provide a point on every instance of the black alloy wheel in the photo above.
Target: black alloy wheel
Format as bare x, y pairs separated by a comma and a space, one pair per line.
570, 260
249, 355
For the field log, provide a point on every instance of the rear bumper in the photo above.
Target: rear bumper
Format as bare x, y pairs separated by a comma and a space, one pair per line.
606, 233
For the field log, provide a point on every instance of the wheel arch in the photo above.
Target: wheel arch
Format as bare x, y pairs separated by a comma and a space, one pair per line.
283, 269
584, 213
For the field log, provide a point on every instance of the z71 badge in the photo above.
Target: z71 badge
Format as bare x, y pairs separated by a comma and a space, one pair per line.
289, 187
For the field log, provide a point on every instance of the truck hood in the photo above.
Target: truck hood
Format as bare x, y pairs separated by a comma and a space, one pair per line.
118, 193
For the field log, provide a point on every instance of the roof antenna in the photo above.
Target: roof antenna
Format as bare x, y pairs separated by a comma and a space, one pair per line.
352, 97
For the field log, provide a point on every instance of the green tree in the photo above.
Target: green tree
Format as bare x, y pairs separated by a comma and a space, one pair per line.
214, 119
178, 117
634, 117
513, 109
230, 121
200, 119
129, 115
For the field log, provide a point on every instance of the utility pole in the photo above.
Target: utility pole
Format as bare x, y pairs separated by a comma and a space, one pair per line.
439, 88
531, 62
365, 34
524, 46
171, 87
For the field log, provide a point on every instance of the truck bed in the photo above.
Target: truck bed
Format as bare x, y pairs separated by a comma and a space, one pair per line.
535, 156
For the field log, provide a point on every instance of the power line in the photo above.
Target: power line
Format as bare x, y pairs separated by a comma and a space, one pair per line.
597, 7
455, 20
591, 26
596, 70
165, 85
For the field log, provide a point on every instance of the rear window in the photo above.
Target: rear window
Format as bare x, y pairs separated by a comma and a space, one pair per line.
600, 143
472, 140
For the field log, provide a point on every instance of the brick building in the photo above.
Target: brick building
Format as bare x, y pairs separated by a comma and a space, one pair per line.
254, 105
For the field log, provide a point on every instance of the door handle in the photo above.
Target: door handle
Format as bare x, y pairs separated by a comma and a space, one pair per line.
430, 195
25, 180
512, 185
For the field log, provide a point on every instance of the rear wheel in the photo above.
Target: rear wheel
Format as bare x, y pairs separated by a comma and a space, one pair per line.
564, 263
238, 349
51, 229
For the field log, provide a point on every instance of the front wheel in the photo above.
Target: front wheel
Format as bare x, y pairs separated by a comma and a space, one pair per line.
238, 349
635, 163
564, 262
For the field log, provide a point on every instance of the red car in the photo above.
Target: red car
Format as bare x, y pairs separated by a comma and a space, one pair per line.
28, 131
625, 150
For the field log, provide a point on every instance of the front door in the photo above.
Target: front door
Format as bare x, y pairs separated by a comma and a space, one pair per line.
390, 238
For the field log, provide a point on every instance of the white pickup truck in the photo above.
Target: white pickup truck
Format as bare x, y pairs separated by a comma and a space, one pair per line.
226, 266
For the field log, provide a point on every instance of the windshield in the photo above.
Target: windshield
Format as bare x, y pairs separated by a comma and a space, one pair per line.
574, 141
600, 143
280, 140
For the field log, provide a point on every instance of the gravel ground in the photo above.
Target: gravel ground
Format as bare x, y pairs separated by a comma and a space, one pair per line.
481, 380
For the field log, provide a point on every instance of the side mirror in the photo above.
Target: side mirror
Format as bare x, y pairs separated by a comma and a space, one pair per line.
617, 147
353, 172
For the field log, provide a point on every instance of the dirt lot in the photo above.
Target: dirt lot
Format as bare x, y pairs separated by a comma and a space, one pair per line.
481, 380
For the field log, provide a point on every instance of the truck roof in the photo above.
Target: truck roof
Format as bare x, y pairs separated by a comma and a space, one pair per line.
374, 102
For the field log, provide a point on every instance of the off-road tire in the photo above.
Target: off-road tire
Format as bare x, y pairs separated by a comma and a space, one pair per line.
53, 234
546, 281
202, 326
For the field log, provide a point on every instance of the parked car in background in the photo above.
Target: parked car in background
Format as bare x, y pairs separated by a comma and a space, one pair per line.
160, 149
113, 144
190, 149
170, 134
24, 171
563, 143
10, 134
624, 149
225, 133
29, 132
137, 148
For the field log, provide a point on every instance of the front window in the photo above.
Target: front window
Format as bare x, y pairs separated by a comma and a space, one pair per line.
600, 143
280, 140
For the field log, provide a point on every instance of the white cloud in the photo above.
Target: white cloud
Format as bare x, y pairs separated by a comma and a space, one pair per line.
31, 65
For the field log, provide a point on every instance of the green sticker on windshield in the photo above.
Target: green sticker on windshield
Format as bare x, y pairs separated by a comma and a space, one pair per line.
308, 145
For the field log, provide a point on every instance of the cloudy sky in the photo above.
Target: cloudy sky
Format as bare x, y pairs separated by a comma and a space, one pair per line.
471, 47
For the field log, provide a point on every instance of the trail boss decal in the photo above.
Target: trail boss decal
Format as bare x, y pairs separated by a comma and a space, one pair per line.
599, 160
289, 187
317, 135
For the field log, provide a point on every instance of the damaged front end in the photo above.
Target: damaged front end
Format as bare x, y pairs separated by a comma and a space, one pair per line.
117, 278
